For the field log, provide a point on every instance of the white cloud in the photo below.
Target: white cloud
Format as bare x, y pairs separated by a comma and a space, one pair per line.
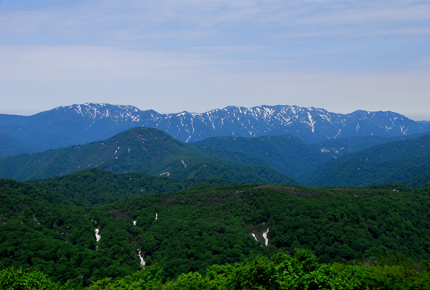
131, 22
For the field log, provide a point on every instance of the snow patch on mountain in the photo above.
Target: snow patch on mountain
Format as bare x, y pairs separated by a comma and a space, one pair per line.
102, 121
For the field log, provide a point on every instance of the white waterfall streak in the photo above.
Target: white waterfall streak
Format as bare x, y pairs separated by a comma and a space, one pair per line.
266, 239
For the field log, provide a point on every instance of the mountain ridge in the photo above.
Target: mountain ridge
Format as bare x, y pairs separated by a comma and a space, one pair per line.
141, 150
83, 123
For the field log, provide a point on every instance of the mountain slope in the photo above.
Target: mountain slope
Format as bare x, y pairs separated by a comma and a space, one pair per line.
18, 139
287, 154
143, 150
79, 124
393, 162
10, 146
336, 148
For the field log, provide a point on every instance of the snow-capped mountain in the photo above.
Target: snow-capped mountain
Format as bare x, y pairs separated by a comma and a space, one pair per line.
79, 124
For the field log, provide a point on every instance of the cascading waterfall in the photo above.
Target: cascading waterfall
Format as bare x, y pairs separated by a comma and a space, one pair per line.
266, 239
142, 261
98, 237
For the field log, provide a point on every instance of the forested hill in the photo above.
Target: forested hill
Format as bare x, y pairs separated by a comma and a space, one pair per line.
287, 154
404, 162
193, 229
290, 155
266, 159
336, 148
95, 187
143, 150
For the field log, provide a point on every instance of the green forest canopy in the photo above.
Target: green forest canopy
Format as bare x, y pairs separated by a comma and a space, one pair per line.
205, 226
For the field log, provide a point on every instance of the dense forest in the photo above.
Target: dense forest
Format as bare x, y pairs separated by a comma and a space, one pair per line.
95, 187
142, 210
282, 271
212, 236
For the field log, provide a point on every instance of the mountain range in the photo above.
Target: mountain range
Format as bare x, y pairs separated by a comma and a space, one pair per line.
115, 197
237, 160
376, 154
84, 123
142, 150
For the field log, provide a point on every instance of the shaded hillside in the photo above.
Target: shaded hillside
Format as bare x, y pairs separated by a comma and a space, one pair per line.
336, 148
143, 150
28, 139
287, 154
10, 145
394, 162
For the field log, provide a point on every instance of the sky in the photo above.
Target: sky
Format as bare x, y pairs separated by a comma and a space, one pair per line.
189, 55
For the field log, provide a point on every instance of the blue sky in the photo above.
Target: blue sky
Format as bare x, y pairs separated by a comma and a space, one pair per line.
191, 55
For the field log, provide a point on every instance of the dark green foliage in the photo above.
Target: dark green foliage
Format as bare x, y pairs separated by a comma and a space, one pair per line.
344, 224
95, 187
424, 190
57, 238
16, 188
192, 230
337, 224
